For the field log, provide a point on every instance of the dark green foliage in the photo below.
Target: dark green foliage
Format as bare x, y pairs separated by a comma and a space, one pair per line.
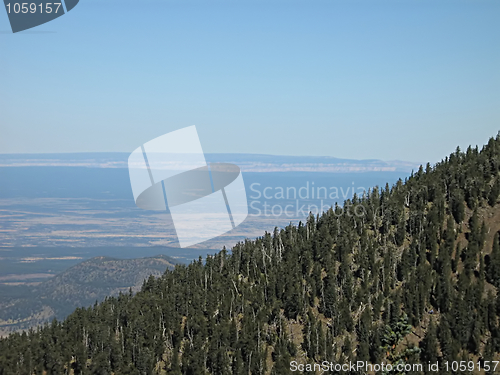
429, 345
494, 192
493, 263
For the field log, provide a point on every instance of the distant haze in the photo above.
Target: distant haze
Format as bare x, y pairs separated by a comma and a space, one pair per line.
247, 162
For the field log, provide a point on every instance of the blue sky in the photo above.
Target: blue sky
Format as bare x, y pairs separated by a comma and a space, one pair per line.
403, 79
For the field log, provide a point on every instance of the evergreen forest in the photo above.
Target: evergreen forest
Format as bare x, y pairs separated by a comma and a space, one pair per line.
408, 273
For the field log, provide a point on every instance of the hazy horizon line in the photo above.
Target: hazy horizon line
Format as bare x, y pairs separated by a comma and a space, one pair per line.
3, 154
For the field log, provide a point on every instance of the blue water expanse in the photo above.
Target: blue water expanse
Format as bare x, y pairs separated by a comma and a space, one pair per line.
114, 183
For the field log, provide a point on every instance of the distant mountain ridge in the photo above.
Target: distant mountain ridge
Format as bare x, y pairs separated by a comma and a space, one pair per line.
79, 286
247, 162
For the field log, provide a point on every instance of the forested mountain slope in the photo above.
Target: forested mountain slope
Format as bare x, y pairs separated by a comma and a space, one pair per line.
408, 273
81, 285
